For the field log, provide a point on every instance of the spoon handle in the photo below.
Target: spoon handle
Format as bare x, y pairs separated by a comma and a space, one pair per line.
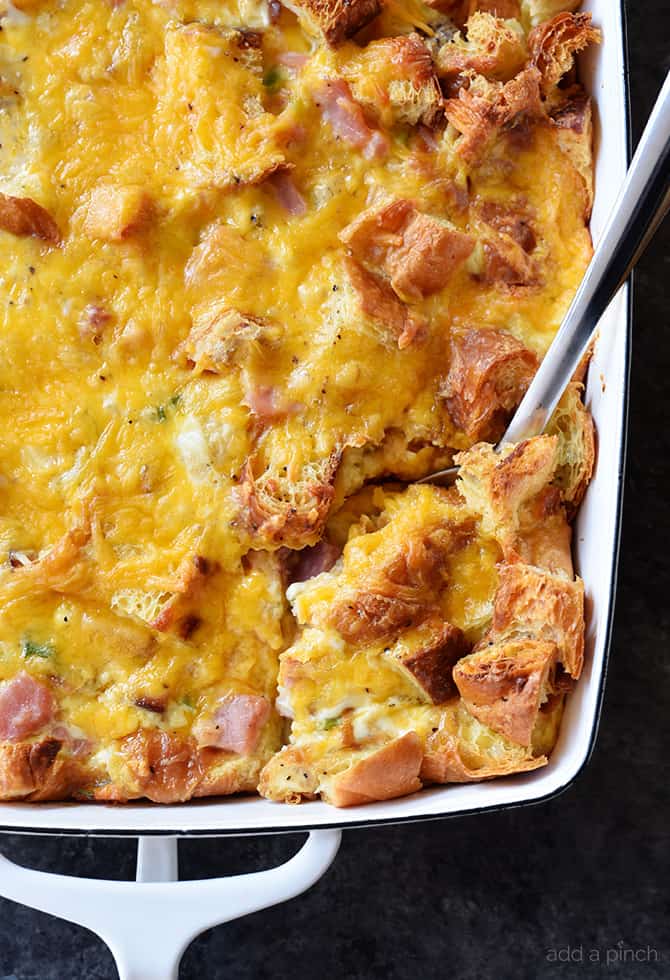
642, 204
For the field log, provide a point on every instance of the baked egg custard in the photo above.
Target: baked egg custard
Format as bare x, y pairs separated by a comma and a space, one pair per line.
262, 266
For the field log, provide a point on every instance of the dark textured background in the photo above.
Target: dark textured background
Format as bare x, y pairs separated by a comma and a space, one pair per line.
486, 896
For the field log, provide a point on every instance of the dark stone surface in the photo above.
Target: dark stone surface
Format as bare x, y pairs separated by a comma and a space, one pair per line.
488, 896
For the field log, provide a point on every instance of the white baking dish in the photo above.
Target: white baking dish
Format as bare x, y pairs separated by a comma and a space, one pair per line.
596, 549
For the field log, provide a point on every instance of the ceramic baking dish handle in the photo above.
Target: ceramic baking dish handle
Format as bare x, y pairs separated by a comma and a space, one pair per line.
148, 923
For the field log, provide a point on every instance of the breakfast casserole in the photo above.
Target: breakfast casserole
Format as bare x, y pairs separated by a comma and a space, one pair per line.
263, 266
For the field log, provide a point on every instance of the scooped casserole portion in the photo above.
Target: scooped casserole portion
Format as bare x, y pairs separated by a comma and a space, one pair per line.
263, 267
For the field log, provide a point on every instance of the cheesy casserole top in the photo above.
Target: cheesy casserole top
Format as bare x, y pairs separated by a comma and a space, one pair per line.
257, 262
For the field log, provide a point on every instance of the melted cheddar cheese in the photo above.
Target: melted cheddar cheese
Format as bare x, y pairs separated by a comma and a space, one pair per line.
187, 346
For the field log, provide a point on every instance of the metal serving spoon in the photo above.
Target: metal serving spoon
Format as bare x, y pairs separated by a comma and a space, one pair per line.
643, 202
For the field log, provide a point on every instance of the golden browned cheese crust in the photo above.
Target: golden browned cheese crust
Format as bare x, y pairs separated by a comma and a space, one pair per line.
260, 261
400, 592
